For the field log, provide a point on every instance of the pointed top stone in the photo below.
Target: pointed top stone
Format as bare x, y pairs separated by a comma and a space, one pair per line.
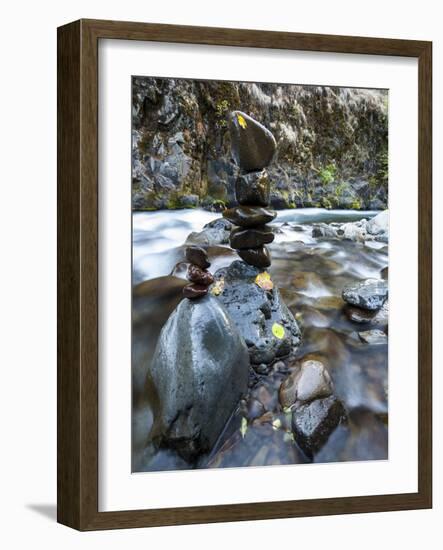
252, 145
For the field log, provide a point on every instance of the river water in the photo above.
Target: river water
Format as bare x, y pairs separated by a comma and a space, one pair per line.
311, 274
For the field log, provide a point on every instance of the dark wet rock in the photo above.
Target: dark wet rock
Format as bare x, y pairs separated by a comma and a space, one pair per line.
258, 257
357, 315
254, 311
194, 291
385, 273
373, 337
249, 216
370, 294
200, 276
196, 383
313, 422
251, 238
198, 256
252, 145
253, 188
311, 381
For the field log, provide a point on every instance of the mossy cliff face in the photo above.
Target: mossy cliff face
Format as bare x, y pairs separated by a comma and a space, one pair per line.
332, 143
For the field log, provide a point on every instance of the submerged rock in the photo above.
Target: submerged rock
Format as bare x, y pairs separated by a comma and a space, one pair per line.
313, 422
195, 383
252, 145
370, 294
311, 381
261, 316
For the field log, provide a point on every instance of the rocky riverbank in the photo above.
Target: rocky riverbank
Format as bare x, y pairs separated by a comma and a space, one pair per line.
331, 144
328, 401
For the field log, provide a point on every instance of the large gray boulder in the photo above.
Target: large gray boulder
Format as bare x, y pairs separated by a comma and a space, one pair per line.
198, 374
255, 311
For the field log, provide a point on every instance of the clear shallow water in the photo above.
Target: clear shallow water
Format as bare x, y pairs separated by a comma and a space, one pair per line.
310, 274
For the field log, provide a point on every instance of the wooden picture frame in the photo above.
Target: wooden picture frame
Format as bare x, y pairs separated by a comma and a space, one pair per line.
78, 274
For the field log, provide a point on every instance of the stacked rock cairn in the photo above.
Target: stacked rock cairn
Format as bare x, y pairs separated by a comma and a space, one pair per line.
253, 148
198, 275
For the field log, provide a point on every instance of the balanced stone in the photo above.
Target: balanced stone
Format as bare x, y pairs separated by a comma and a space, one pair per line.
194, 291
198, 256
252, 145
251, 238
258, 257
249, 216
253, 188
200, 276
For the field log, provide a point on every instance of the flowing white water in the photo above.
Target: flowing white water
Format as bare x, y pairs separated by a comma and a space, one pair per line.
156, 235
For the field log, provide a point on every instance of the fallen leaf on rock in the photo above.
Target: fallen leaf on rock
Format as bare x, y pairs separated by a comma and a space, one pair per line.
276, 424
217, 287
243, 427
241, 121
278, 331
263, 280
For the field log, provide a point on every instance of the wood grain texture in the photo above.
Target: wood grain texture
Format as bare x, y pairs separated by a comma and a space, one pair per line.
78, 273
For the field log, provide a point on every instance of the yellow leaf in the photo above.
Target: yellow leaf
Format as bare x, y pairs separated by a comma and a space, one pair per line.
243, 427
276, 424
278, 331
217, 287
241, 121
263, 280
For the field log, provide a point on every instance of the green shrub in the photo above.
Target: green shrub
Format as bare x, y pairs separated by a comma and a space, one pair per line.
327, 174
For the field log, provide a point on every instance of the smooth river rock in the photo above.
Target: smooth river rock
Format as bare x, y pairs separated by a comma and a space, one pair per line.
196, 384
197, 256
250, 238
313, 423
252, 145
258, 257
194, 291
253, 188
370, 294
255, 311
249, 216
200, 276
311, 381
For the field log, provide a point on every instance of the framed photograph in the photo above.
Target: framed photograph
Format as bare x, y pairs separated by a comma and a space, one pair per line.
244, 274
